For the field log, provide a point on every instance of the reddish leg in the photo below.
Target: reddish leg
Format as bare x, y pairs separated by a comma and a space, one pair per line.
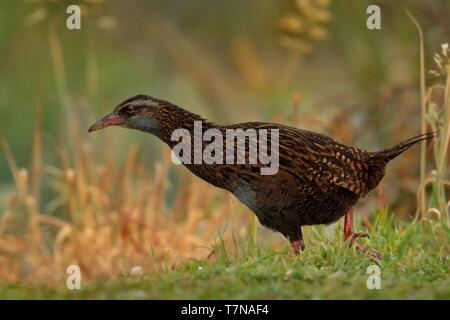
297, 246
348, 224
348, 233
348, 227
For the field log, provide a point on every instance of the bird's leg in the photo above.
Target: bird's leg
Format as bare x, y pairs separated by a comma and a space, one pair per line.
348, 233
298, 244
348, 227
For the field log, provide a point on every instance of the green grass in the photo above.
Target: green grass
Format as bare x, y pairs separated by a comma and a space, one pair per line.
415, 266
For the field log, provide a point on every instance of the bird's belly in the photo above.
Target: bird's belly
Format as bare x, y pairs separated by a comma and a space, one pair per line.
284, 204
270, 199
245, 194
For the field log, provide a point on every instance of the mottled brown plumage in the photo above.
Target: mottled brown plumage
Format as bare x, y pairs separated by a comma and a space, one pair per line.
318, 181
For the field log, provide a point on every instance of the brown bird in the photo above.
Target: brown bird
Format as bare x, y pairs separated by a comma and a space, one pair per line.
317, 181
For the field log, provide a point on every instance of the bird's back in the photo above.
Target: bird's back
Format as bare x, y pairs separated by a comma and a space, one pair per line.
315, 158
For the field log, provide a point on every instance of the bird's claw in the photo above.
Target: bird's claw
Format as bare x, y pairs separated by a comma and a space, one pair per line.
373, 254
297, 247
356, 235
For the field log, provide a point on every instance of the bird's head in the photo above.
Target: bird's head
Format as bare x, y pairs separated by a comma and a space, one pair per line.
139, 112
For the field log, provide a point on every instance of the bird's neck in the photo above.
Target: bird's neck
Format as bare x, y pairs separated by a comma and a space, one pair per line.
173, 118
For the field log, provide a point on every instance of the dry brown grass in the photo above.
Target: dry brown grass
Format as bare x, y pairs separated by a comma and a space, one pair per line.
117, 217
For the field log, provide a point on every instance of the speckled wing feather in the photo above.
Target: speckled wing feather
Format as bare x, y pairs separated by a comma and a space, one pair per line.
318, 158
325, 161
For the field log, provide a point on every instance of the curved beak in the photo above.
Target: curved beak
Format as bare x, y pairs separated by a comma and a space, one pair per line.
110, 119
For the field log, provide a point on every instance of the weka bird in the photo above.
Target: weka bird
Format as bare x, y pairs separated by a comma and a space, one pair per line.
318, 179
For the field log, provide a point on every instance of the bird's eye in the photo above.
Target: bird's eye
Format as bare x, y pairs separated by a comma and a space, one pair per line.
128, 110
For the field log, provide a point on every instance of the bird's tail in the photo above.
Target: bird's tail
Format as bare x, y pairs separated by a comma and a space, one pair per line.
391, 153
377, 160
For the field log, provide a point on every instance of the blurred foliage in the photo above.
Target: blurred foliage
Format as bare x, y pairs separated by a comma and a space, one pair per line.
305, 25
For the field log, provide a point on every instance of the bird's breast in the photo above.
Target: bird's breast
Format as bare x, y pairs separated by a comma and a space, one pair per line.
245, 193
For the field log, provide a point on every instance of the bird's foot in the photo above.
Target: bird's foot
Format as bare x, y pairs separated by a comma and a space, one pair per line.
349, 234
297, 246
355, 235
373, 254
359, 247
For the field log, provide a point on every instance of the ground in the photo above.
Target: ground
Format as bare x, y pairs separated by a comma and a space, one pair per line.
415, 265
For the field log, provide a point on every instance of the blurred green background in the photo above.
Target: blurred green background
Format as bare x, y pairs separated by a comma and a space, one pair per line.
230, 61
